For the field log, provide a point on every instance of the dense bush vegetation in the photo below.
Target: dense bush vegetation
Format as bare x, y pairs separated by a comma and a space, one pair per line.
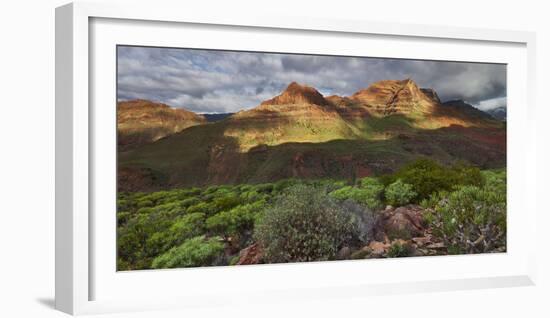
428, 177
471, 219
368, 193
197, 251
399, 193
304, 224
299, 220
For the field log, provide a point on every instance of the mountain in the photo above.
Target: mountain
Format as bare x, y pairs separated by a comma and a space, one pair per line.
299, 114
432, 94
462, 106
498, 113
298, 94
216, 117
395, 97
302, 134
141, 121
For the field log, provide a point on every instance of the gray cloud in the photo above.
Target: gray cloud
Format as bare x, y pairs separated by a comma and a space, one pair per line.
224, 81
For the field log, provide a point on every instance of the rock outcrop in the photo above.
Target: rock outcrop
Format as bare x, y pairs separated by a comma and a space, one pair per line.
395, 97
250, 255
400, 223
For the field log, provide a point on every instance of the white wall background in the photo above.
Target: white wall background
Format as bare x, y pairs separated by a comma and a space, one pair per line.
27, 158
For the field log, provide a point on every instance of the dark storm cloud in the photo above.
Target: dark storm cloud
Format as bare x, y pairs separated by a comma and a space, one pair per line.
220, 81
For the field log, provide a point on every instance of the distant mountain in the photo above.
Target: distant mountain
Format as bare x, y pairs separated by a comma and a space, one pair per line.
462, 106
142, 121
216, 117
498, 113
302, 134
432, 94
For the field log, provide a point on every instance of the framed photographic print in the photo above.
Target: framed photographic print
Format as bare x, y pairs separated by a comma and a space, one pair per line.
210, 160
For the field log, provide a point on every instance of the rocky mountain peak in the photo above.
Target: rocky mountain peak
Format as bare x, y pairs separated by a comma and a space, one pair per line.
395, 96
298, 94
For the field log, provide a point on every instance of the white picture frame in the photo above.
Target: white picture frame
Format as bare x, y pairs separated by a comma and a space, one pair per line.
76, 168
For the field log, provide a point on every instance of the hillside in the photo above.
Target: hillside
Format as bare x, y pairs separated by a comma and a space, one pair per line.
140, 122
302, 134
498, 113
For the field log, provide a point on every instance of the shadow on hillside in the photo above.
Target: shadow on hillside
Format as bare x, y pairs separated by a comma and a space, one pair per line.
202, 156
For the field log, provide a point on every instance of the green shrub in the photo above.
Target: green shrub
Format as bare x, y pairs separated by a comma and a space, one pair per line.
398, 249
495, 180
304, 224
467, 175
428, 177
236, 220
122, 217
470, 219
226, 201
194, 252
369, 193
132, 239
207, 208
183, 228
399, 193
144, 203
189, 202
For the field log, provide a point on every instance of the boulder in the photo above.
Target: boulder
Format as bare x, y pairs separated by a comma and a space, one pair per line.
378, 249
400, 223
250, 255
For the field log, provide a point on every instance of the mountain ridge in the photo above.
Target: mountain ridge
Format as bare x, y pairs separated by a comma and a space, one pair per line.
292, 136
142, 121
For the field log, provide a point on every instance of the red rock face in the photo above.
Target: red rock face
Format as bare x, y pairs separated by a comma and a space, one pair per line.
392, 96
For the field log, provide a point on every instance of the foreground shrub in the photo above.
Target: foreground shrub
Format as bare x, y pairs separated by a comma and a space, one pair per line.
470, 219
194, 252
304, 224
398, 249
399, 193
365, 221
183, 228
495, 180
235, 221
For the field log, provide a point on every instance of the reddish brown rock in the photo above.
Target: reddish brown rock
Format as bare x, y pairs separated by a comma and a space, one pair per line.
250, 255
422, 241
378, 249
400, 223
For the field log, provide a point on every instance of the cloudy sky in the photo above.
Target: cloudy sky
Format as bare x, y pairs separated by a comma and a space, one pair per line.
207, 81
